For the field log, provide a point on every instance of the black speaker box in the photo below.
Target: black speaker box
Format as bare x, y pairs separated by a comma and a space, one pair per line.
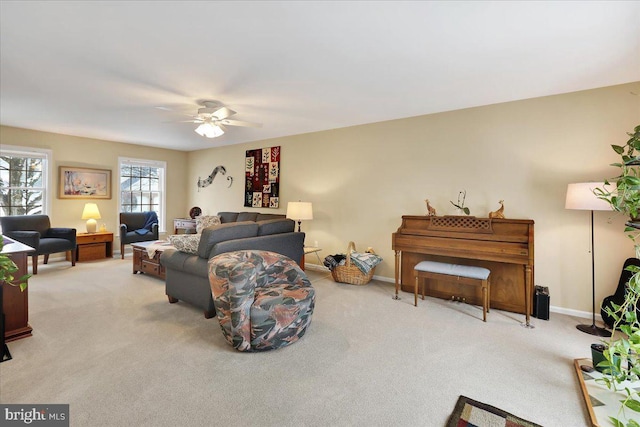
541, 303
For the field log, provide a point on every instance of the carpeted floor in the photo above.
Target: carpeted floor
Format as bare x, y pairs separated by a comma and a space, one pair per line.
108, 343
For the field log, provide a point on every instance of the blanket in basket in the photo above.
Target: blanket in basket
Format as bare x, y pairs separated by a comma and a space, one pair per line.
364, 261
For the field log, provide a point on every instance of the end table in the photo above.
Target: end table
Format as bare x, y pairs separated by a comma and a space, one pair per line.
92, 246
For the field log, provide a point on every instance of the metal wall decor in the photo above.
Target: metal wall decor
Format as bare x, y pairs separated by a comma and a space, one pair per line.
208, 180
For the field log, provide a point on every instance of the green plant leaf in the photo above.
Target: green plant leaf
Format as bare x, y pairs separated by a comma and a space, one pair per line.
632, 404
615, 422
618, 148
631, 180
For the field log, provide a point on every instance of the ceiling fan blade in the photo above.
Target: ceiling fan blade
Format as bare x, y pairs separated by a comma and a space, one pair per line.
185, 121
240, 123
175, 108
223, 113
217, 113
169, 110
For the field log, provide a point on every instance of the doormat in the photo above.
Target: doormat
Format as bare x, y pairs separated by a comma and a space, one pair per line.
470, 413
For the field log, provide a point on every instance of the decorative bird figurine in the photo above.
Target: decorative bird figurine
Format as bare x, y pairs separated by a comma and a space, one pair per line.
431, 211
499, 213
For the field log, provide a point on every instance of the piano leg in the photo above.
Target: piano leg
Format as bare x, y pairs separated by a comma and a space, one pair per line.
397, 274
527, 292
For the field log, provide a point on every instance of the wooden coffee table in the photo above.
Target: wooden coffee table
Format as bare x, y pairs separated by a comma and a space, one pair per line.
143, 263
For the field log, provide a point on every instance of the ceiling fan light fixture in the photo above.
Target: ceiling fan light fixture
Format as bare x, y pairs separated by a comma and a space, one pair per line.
209, 130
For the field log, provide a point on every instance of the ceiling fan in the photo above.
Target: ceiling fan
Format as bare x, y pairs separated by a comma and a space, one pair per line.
212, 118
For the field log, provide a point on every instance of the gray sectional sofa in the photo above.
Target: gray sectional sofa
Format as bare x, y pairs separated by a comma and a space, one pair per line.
187, 275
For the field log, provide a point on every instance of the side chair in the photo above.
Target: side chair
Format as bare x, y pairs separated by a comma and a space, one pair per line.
36, 231
137, 227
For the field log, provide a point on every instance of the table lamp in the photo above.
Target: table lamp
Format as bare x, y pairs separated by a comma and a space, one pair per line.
299, 211
91, 213
580, 196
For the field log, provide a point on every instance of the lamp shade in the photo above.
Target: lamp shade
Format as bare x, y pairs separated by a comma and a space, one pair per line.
91, 211
299, 210
209, 130
580, 196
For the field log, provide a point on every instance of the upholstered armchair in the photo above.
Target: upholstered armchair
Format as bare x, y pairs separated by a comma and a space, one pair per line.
36, 231
137, 227
263, 300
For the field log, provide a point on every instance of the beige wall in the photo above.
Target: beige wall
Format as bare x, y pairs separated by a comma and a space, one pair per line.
362, 179
93, 153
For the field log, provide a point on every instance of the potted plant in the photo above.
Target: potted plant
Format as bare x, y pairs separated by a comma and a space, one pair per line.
625, 197
460, 208
7, 268
622, 353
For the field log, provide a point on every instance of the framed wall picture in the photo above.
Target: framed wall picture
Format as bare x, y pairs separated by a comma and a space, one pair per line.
84, 183
262, 178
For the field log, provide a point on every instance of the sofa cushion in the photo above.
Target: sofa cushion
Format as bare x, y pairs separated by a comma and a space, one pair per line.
288, 244
247, 216
219, 233
226, 217
263, 217
177, 261
185, 242
205, 221
275, 226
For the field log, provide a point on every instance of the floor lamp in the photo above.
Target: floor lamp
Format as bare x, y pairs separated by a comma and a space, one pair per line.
580, 196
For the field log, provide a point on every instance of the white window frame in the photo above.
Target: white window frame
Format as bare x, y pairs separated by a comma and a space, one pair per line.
127, 161
47, 157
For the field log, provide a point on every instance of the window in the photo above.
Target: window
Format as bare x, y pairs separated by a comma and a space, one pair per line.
24, 174
142, 187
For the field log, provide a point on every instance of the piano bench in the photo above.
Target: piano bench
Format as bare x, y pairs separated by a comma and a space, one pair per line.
462, 274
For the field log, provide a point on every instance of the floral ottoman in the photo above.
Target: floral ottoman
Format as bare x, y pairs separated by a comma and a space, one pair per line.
263, 300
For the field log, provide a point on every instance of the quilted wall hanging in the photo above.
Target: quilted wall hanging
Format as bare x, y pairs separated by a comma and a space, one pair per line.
262, 178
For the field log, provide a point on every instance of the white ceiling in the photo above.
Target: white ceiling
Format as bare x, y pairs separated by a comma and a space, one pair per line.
100, 69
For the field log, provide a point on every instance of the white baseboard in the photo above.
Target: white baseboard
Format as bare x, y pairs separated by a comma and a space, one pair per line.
574, 313
552, 309
384, 279
315, 267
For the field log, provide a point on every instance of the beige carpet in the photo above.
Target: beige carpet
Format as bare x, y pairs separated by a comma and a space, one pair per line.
108, 343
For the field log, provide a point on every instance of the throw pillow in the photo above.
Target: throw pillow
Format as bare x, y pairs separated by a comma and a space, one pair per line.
185, 242
205, 221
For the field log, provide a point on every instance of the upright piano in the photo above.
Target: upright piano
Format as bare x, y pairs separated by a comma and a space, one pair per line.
504, 246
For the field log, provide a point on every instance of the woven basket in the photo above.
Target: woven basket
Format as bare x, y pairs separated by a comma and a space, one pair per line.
350, 273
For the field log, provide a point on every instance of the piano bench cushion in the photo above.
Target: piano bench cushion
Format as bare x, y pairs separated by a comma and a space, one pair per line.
453, 269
